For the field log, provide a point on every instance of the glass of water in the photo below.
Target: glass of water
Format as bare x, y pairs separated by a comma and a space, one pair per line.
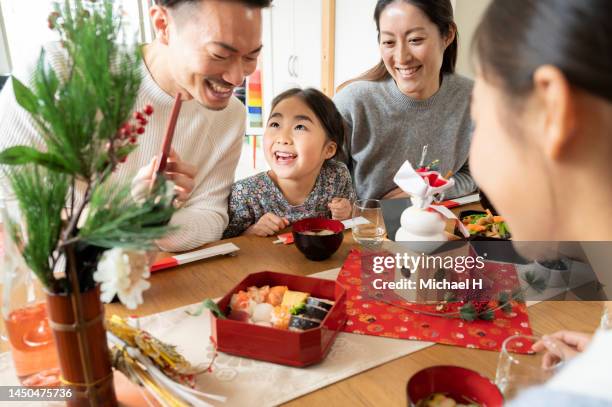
517, 370
372, 234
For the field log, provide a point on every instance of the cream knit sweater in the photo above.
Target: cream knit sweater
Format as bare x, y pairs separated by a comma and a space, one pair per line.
210, 140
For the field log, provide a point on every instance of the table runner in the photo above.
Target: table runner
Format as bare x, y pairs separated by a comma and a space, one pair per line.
394, 319
249, 382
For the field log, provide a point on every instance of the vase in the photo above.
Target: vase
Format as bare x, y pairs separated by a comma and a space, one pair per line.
83, 352
76, 316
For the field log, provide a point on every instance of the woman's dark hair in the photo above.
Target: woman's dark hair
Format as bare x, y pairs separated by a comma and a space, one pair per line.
250, 3
323, 107
439, 12
516, 37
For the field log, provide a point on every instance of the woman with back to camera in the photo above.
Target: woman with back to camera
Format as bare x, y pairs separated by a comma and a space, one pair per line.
411, 99
543, 102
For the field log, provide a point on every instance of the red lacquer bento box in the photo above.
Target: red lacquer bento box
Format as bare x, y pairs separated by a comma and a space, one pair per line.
278, 345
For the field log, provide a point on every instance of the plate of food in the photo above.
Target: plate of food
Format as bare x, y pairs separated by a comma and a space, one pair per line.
490, 234
485, 225
280, 318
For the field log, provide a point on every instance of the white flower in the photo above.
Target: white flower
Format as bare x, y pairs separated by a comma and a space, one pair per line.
123, 273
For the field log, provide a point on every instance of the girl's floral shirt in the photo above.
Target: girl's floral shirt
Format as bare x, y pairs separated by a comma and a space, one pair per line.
253, 197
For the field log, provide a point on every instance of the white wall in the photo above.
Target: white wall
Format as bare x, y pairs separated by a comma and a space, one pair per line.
5, 62
467, 16
26, 27
356, 44
357, 47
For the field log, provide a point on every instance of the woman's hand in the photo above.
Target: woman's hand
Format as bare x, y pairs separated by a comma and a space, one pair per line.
561, 346
396, 194
268, 225
340, 208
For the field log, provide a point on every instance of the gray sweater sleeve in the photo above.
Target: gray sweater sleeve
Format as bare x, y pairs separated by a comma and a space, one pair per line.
464, 183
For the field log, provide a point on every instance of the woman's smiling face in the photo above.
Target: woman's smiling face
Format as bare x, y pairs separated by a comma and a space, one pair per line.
412, 49
295, 142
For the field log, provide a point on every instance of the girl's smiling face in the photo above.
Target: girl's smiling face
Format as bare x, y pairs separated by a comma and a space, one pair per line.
295, 142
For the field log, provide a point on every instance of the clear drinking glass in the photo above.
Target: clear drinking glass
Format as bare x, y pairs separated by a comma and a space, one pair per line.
372, 234
518, 371
24, 314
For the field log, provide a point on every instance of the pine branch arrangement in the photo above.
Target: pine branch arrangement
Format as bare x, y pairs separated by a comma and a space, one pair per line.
85, 121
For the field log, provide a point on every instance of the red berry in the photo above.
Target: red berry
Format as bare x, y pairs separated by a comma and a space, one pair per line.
138, 116
481, 306
140, 130
148, 110
133, 140
123, 160
143, 121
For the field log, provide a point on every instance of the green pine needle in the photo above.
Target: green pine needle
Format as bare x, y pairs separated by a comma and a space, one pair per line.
116, 220
41, 195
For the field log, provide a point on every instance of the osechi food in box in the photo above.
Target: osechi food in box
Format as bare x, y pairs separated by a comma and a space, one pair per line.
279, 318
279, 307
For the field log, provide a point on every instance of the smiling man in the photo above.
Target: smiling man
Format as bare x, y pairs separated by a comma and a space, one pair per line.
202, 49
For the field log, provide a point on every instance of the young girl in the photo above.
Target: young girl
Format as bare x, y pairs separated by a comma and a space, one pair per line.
302, 136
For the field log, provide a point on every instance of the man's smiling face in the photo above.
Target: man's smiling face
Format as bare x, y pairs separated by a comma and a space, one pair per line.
213, 47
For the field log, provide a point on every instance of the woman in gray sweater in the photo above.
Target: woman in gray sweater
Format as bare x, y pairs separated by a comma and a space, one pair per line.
411, 99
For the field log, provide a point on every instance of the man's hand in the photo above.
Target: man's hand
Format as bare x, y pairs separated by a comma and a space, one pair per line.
178, 171
182, 174
340, 208
561, 346
268, 225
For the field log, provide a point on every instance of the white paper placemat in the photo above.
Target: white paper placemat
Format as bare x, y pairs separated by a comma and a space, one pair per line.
247, 382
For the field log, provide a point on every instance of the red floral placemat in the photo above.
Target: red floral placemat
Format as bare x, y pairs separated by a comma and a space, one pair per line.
368, 316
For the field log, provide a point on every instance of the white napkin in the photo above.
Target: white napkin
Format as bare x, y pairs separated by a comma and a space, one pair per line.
412, 182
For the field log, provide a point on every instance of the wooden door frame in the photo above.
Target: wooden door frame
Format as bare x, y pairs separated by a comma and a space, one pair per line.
328, 47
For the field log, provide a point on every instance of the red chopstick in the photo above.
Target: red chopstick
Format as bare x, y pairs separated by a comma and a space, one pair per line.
167, 143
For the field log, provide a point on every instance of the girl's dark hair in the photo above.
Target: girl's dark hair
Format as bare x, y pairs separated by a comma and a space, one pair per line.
516, 37
250, 3
323, 107
439, 12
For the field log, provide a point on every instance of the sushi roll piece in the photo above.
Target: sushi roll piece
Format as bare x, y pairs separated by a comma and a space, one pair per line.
319, 302
302, 323
314, 312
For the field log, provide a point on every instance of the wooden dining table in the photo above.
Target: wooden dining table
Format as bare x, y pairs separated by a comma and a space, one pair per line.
384, 385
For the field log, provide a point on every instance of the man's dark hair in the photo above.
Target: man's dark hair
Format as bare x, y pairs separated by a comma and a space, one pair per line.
250, 3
